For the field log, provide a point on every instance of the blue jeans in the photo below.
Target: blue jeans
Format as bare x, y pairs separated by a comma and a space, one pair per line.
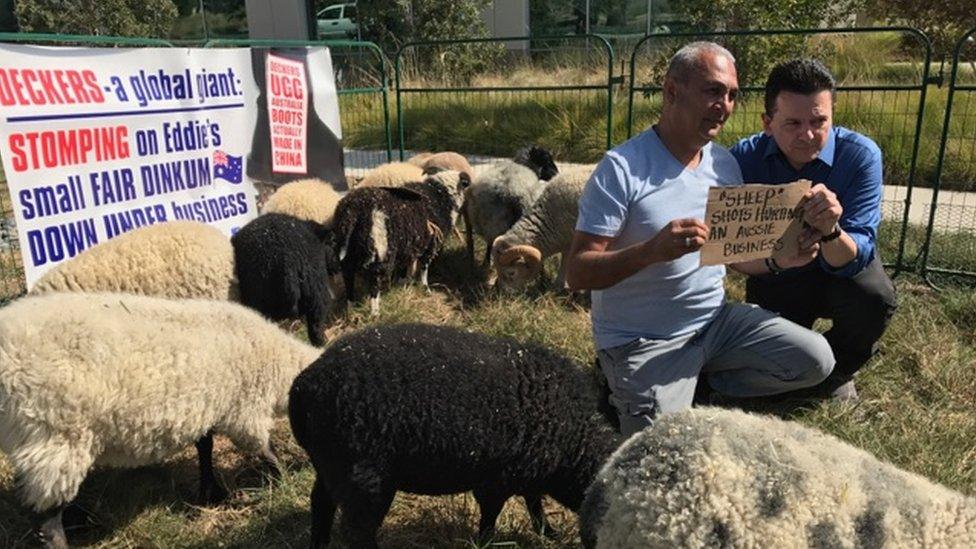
747, 351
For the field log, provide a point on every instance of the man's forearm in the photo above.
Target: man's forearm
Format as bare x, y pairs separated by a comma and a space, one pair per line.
596, 270
840, 251
751, 268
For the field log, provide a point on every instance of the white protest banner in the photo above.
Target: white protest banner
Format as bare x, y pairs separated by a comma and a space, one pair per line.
752, 222
96, 141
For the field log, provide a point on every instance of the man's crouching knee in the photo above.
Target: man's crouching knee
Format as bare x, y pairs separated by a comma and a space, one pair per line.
820, 360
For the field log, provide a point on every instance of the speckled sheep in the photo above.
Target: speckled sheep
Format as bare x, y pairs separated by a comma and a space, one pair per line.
177, 259
284, 266
709, 477
496, 199
440, 410
546, 230
310, 199
393, 174
126, 380
385, 232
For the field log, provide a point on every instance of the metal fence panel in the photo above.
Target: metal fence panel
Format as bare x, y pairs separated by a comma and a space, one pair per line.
950, 243
882, 76
490, 96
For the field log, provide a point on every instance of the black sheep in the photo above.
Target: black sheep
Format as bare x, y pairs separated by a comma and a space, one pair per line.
538, 160
283, 266
385, 231
438, 410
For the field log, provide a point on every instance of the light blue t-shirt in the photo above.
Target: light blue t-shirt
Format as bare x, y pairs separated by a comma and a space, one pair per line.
634, 192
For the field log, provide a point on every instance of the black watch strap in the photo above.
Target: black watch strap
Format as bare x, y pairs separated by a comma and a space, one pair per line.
832, 236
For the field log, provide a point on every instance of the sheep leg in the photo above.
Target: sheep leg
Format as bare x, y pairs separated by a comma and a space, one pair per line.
533, 503
490, 503
51, 530
561, 275
468, 235
210, 491
270, 459
315, 316
363, 508
349, 281
486, 262
323, 514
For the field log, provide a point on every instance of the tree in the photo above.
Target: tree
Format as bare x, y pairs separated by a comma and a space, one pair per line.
755, 55
147, 18
392, 23
944, 21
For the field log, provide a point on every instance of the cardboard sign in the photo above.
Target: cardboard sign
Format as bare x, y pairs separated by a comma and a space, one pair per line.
753, 222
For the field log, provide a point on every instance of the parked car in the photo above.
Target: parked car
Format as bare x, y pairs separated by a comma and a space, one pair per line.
337, 21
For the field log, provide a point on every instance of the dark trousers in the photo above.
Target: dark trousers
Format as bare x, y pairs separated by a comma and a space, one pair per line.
860, 307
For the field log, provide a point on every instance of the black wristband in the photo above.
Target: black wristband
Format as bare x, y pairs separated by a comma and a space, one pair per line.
832, 236
772, 266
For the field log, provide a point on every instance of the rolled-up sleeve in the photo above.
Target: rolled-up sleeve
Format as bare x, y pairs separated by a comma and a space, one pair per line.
862, 212
603, 205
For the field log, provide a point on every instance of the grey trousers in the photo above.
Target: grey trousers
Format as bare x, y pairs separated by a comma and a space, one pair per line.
746, 351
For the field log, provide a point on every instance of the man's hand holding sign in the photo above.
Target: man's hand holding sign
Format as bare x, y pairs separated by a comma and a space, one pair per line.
765, 221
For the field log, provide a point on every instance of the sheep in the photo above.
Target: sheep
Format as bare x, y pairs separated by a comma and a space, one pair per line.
419, 159
448, 161
393, 174
178, 259
547, 229
439, 410
538, 160
496, 200
380, 232
284, 265
127, 380
721, 478
311, 199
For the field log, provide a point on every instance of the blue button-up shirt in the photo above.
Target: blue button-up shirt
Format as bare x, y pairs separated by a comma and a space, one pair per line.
849, 165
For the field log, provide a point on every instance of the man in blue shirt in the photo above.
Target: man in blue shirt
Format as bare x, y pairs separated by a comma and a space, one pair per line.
660, 319
846, 283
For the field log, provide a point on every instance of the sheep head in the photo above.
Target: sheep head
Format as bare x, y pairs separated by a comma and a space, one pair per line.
515, 265
538, 160
454, 182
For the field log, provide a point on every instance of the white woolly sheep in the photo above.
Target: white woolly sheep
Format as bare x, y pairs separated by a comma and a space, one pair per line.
310, 199
177, 259
721, 478
546, 230
496, 199
393, 174
126, 380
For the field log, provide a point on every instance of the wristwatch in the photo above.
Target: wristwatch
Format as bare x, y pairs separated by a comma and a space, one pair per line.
833, 235
773, 267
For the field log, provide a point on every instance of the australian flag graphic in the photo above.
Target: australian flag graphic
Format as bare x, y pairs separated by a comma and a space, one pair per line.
227, 166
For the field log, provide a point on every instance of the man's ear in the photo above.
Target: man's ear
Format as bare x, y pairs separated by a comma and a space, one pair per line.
670, 90
767, 122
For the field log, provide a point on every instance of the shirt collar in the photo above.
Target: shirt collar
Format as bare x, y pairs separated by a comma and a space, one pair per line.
826, 154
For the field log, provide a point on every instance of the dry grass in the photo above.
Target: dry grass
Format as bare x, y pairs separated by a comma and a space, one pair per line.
916, 412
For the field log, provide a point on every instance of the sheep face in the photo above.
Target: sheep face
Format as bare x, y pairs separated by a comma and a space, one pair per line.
455, 182
515, 266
